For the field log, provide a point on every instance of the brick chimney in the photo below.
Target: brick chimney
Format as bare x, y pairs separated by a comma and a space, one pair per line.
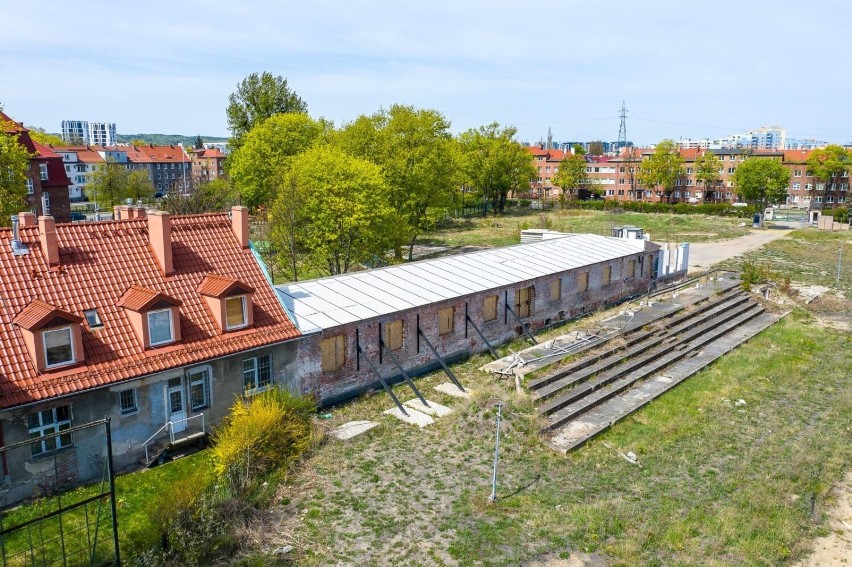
123, 212
49, 244
160, 237
27, 219
141, 212
240, 225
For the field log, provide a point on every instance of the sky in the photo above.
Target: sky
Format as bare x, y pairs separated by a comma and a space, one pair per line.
683, 69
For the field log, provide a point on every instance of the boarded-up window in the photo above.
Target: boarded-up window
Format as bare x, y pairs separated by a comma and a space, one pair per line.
607, 275
393, 334
582, 282
489, 308
333, 353
445, 320
524, 302
555, 290
630, 272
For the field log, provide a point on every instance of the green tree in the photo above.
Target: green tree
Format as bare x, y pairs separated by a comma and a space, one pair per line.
663, 168
138, 142
571, 175
708, 172
111, 183
209, 197
828, 165
762, 181
14, 165
199, 143
494, 163
255, 168
257, 98
42, 137
340, 209
419, 158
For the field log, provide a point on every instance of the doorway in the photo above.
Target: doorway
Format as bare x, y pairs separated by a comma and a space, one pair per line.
176, 404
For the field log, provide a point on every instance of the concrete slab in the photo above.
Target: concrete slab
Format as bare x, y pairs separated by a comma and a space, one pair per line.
352, 429
414, 417
434, 409
452, 390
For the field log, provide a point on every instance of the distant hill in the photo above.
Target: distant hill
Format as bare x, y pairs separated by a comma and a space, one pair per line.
161, 139
166, 139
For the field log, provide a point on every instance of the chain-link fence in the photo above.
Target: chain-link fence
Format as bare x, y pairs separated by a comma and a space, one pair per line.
57, 499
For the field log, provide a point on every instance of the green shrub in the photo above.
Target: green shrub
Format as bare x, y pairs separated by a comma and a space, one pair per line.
264, 433
752, 274
524, 203
716, 209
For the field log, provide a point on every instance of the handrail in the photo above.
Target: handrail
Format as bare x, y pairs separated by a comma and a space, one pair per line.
170, 426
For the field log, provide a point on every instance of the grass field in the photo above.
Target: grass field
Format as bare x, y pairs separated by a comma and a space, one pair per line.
719, 484
505, 229
808, 256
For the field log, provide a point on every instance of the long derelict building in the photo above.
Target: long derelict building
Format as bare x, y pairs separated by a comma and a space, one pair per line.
362, 325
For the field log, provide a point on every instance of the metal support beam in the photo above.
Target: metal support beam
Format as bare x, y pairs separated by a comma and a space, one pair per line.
521, 323
399, 367
382, 380
481, 336
441, 360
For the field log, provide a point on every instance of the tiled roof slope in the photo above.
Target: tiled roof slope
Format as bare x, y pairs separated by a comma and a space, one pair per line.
99, 262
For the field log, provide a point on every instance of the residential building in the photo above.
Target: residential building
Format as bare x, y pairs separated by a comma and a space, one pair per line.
158, 322
75, 132
207, 165
168, 167
83, 133
47, 184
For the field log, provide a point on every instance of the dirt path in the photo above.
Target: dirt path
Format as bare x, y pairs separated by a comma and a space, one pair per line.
835, 549
702, 255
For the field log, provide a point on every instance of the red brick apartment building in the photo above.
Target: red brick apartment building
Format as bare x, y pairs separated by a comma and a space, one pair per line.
47, 183
618, 177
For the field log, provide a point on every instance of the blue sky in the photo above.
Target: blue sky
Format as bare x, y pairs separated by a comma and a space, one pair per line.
685, 69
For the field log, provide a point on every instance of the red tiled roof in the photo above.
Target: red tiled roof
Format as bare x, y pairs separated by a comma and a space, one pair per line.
139, 298
56, 175
37, 313
209, 153
99, 262
215, 285
796, 156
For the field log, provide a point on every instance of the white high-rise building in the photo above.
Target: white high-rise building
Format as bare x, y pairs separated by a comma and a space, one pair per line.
75, 131
102, 133
83, 132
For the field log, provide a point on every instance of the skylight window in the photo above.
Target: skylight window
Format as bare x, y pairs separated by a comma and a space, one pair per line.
93, 318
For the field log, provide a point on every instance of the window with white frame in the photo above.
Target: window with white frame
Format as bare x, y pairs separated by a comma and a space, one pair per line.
797, 186
42, 171
127, 401
257, 373
160, 327
797, 173
199, 389
236, 315
46, 425
58, 347
30, 187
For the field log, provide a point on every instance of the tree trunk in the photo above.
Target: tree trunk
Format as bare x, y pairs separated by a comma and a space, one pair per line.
411, 247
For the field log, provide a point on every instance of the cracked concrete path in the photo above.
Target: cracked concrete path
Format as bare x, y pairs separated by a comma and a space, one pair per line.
703, 255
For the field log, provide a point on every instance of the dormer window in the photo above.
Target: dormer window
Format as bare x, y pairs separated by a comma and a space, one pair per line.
52, 335
58, 347
155, 316
235, 310
160, 327
229, 301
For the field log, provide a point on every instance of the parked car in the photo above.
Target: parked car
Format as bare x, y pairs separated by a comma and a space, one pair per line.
77, 216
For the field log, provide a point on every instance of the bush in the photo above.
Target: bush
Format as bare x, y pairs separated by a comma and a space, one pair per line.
264, 433
524, 203
715, 209
752, 274
840, 214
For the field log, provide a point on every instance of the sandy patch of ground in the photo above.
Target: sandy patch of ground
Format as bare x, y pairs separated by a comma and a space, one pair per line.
835, 549
576, 559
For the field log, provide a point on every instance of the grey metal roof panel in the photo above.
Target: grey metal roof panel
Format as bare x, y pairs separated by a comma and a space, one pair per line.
346, 298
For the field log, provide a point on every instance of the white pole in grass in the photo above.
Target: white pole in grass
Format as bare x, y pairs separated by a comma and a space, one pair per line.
493, 497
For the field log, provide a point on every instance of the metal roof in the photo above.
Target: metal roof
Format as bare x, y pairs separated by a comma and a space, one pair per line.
319, 304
